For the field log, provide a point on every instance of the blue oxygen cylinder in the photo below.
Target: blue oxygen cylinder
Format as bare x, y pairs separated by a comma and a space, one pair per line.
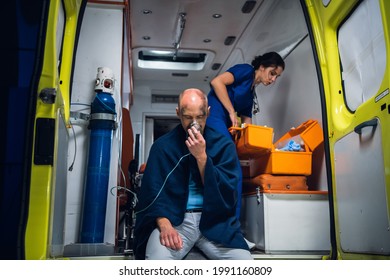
101, 123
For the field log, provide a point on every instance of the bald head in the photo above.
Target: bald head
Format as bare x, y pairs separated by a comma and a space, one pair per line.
192, 95
192, 106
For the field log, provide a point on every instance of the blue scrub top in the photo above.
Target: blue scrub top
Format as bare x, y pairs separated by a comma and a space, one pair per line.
240, 94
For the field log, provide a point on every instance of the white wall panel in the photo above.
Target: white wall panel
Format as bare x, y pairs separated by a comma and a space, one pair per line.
100, 44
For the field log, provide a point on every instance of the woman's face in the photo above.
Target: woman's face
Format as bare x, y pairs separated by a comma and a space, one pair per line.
267, 75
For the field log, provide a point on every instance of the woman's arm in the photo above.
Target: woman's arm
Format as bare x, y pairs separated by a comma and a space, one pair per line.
219, 84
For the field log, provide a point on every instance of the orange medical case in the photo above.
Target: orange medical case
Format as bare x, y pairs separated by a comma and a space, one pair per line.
287, 162
252, 141
309, 131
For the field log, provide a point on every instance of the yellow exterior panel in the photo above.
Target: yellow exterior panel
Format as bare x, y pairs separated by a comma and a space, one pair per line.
38, 224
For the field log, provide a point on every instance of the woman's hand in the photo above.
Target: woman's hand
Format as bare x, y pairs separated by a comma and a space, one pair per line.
233, 118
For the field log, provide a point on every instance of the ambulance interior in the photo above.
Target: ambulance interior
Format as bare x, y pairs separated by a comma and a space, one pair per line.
213, 35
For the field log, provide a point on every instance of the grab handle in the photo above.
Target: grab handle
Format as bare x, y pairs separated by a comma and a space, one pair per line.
373, 123
235, 132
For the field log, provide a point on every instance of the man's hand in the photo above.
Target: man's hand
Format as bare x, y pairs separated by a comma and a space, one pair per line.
169, 237
196, 144
197, 147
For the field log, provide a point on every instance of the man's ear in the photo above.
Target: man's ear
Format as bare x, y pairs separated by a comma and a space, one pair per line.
208, 111
177, 112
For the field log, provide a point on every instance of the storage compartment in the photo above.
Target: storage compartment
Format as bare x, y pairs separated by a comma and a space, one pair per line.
249, 167
286, 221
275, 182
253, 141
310, 136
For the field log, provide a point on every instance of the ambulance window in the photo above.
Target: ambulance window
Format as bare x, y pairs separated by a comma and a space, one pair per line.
362, 53
326, 2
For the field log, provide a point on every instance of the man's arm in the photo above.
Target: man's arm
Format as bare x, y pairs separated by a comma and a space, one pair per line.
197, 147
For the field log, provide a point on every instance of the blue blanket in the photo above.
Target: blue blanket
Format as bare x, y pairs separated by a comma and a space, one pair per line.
164, 189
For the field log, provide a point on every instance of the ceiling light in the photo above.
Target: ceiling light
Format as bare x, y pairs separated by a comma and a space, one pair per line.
217, 15
158, 52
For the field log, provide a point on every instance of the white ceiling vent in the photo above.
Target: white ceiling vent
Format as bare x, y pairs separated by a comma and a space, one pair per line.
186, 60
165, 98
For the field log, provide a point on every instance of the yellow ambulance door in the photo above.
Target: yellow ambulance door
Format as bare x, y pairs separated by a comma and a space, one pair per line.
359, 150
353, 49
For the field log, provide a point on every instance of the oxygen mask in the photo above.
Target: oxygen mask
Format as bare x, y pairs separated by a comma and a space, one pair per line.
195, 124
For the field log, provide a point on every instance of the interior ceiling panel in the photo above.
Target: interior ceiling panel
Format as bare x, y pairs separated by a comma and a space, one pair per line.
161, 23
271, 25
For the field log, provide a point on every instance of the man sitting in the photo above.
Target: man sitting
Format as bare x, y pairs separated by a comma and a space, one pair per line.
188, 193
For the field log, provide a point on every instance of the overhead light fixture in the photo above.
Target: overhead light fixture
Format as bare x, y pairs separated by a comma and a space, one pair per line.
158, 52
217, 15
181, 23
